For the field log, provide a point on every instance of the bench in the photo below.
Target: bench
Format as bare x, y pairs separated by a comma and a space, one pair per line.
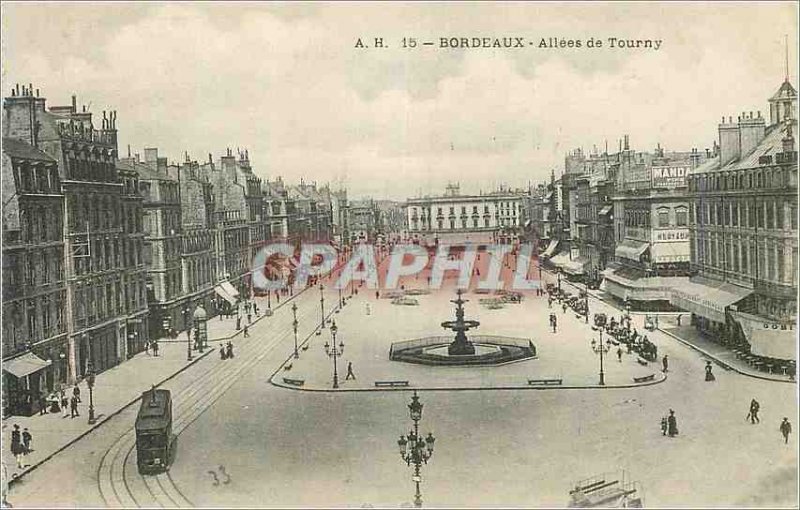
545, 382
390, 384
642, 361
644, 378
294, 382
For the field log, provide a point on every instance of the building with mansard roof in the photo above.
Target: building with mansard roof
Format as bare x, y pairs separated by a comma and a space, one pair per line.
743, 234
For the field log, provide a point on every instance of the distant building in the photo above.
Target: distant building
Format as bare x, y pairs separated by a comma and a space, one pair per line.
491, 217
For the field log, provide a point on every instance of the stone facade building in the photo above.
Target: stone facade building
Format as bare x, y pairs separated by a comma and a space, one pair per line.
743, 233
102, 235
35, 342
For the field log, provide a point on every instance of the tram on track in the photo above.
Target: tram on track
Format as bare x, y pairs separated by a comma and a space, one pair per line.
154, 440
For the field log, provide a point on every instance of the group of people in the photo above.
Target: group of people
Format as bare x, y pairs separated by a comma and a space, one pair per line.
21, 445
785, 427
151, 345
226, 351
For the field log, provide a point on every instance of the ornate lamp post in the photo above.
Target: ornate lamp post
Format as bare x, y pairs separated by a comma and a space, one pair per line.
415, 449
188, 339
322, 306
294, 326
601, 349
333, 352
341, 300
90, 382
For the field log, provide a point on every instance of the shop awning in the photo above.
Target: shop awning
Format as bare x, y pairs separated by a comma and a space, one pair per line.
226, 285
560, 260
605, 210
631, 249
676, 251
576, 266
24, 365
707, 298
224, 295
767, 337
551, 248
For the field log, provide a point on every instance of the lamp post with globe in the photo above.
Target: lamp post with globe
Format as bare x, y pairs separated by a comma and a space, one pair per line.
415, 449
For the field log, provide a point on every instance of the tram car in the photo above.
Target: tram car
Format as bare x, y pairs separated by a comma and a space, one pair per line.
155, 442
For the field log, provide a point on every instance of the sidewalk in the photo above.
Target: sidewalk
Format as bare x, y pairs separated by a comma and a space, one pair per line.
114, 391
688, 335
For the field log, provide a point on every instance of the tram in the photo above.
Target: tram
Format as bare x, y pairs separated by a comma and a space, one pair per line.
154, 440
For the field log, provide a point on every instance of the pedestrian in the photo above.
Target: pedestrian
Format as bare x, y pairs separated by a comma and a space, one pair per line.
664, 364
255, 308
17, 448
42, 403
155, 348
377, 294
147, 347
229, 350
238, 322
786, 429
564, 308
222, 352
753, 414
664, 425
350, 373
64, 403
246, 333
73, 407
27, 439
619, 354
679, 320
709, 375
549, 301
76, 392
672, 424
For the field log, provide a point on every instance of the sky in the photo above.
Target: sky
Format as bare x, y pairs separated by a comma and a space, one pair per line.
287, 82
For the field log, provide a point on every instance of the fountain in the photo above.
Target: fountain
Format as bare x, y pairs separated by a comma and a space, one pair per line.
461, 345
482, 350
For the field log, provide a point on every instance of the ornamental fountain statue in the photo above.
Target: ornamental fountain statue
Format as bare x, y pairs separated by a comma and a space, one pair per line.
461, 345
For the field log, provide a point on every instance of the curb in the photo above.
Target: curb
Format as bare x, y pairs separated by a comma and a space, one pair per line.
83, 434
724, 364
494, 388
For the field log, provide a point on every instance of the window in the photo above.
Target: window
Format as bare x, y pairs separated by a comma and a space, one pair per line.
663, 218
779, 215
474, 223
793, 214
735, 215
770, 215
680, 217
486, 222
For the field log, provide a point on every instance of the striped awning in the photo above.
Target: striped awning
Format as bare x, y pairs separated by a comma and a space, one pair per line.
631, 249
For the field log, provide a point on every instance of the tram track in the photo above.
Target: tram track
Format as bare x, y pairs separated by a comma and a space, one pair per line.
116, 481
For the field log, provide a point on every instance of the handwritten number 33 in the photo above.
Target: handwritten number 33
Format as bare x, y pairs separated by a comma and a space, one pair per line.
222, 471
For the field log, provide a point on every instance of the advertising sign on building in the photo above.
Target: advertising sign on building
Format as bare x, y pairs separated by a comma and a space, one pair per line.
669, 176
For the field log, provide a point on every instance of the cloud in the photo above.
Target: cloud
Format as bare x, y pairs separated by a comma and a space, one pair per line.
285, 81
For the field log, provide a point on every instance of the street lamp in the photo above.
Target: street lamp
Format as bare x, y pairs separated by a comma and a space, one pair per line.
322, 306
333, 352
188, 339
602, 349
294, 325
415, 449
341, 300
90, 382
558, 273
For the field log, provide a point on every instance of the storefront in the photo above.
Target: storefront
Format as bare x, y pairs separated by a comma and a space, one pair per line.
551, 249
766, 337
643, 293
707, 300
23, 383
560, 261
576, 267
631, 249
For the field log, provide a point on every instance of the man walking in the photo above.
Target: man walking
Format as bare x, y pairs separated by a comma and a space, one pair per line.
27, 439
350, 373
64, 403
753, 414
664, 364
672, 424
619, 354
786, 429
155, 348
73, 407
16, 446
76, 392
